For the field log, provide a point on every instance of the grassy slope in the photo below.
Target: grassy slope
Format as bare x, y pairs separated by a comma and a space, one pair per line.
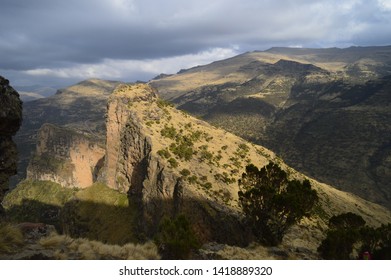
97, 212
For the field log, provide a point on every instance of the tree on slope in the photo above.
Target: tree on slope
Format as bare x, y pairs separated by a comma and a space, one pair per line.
272, 203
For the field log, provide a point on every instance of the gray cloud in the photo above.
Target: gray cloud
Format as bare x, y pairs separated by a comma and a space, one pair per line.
58, 35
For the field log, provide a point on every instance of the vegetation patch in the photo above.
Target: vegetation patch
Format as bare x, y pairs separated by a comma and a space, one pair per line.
11, 238
169, 132
185, 172
176, 238
173, 162
183, 149
348, 238
164, 153
272, 203
161, 103
37, 201
66, 248
97, 212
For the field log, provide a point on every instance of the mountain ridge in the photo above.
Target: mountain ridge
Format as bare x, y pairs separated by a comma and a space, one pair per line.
283, 100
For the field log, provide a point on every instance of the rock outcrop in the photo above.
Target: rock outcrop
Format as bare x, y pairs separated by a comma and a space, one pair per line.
66, 157
169, 163
81, 107
156, 185
131, 164
10, 121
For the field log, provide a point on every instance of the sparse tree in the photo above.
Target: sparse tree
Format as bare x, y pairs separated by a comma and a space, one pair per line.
348, 231
272, 203
343, 233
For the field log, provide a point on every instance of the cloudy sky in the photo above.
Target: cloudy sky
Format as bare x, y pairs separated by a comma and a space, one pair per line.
53, 42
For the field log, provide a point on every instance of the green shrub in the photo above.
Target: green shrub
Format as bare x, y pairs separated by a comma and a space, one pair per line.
164, 153
343, 233
175, 238
206, 185
204, 178
185, 172
184, 150
192, 179
242, 150
195, 136
348, 231
168, 132
272, 203
205, 155
173, 163
161, 103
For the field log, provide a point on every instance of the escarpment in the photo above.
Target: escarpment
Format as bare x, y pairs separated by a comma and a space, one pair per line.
66, 157
159, 186
171, 163
10, 121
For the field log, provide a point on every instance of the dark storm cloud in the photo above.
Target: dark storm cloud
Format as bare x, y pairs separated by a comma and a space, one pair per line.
59, 35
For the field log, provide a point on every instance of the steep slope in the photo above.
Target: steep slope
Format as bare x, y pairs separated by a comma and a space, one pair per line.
80, 107
169, 162
10, 121
340, 136
325, 111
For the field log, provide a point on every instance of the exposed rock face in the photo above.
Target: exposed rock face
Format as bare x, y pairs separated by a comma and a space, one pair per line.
169, 162
81, 107
130, 164
10, 121
66, 157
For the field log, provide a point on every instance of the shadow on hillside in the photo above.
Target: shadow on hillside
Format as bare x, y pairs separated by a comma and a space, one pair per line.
118, 225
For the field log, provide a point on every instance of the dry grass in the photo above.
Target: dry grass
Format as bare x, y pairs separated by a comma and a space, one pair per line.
11, 238
253, 252
84, 249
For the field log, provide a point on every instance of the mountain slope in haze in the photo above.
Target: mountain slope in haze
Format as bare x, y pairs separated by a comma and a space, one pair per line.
80, 107
30, 93
324, 111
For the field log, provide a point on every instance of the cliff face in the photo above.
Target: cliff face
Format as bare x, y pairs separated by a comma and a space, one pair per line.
10, 121
66, 157
169, 162
131, 165
81, 107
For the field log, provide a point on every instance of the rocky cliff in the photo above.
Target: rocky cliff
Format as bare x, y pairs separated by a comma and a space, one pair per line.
10, 121
66, 157
80, 107
169, 162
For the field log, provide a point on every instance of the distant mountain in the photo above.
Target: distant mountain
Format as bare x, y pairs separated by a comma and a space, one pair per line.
326, 112
29, 93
